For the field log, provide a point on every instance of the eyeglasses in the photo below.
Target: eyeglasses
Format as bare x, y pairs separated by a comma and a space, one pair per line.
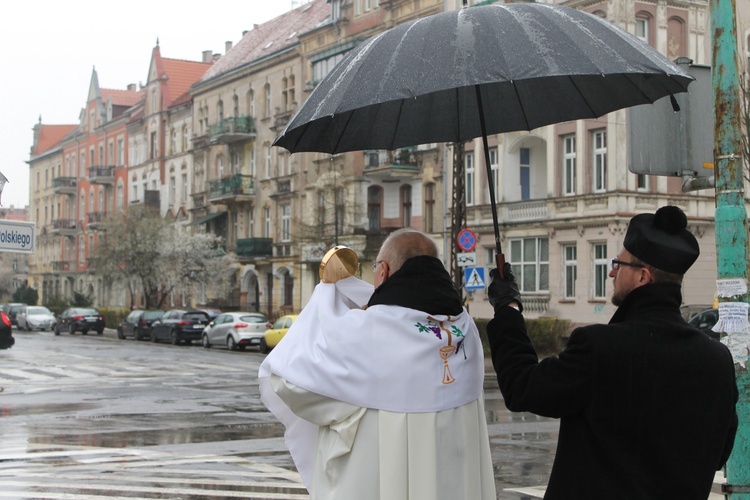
617, 263
375, 264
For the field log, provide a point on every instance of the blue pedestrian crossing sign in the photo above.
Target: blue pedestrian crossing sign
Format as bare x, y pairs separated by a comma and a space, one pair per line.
474, 278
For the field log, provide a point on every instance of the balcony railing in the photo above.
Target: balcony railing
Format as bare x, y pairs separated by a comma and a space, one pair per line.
526, 210
96, 217
254, 247
63, 265
64, 185
233, 129
64, 225
231, 188
102, 175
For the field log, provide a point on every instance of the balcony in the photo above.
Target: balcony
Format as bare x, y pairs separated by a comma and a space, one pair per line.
94, 218
64, 266
234, 129
391, 166
236, 188
102, 175
526, 211
64, 185
253, 248
64, 227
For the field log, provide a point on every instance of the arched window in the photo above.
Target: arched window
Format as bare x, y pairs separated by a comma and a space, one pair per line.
374, 203
406, 206
676, 38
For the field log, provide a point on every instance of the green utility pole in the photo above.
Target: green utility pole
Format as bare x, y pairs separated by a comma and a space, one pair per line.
731, 219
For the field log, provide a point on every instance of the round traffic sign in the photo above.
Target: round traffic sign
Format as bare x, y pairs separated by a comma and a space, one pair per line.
467, 240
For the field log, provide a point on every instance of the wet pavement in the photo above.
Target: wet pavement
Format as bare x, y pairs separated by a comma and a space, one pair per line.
89, 417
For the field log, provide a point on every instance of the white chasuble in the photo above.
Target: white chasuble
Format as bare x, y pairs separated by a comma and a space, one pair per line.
384, 402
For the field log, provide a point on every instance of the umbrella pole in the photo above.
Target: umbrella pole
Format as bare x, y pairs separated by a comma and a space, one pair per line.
499, 257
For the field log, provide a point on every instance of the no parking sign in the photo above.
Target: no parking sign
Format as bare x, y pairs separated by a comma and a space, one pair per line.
467, 240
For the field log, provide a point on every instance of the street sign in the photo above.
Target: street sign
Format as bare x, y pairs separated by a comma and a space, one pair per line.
467, 240
17, 236
474, 278
465, 259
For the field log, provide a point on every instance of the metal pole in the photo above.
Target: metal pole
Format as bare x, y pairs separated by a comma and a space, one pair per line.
731, 216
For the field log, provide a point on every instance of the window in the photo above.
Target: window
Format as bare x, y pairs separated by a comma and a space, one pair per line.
120, 152
172, 190
250, 223
601, 270
406, 206
266, 222
339, 210
267, 100
641, 27
570, 271
251, 103
321, 213
153, 146
469, 170
322, 67
81, 250
184, 145
569, 165
530, 261
524, 165
288, 289
174, 141
600, 160
286, 222
252, 161
235, 106
111, 153
220, 167
184, 190
494, 167
641, 182
220, 110
268, 161
373, 207
284, 95
429, 208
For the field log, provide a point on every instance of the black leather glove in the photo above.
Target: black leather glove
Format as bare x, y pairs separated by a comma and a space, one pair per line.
503, 291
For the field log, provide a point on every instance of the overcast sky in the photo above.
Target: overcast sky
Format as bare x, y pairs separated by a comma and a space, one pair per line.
49, 49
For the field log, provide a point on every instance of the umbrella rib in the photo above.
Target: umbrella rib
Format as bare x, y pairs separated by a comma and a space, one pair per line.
583, 96
520, 105
395, 128
341, 136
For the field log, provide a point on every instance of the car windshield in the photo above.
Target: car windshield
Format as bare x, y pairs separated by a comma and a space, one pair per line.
153, 314
253, 318
38, 310
86, 312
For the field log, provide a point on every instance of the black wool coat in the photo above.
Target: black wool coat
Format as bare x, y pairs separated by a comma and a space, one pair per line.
646, 403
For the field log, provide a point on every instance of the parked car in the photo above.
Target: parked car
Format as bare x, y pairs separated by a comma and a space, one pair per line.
179, 326
80, 319
138, 324
276, 332
35, 318
236, 330
11, 309
705, 320
212, 312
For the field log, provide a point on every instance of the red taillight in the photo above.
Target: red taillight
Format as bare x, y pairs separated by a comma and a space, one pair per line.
241, 325
183, 323
77, 318
4, 317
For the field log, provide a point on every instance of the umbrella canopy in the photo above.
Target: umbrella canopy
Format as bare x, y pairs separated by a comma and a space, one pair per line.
529, 65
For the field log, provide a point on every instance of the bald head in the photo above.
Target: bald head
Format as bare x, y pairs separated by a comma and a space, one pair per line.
404, 244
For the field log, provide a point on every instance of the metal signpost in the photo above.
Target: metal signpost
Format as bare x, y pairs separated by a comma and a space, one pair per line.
17, 236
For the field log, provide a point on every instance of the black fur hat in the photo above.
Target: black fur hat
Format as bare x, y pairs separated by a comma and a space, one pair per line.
662, 240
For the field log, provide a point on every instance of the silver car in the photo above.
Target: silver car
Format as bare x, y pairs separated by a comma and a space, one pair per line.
236, 330
35, 318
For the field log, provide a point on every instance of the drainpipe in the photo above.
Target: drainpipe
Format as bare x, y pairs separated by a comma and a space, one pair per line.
731, 226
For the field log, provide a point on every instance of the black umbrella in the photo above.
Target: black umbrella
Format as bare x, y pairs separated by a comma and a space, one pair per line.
483, 70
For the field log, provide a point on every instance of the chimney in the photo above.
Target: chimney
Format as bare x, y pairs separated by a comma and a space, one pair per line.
131, 87
244, 33
227, 46
207, 56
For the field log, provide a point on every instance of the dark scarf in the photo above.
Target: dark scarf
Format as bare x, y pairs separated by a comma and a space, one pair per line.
423, 284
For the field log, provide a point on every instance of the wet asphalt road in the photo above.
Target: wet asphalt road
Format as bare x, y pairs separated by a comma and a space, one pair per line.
90, 417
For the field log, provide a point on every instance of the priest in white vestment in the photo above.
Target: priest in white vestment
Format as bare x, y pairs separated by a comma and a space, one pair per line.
381, 391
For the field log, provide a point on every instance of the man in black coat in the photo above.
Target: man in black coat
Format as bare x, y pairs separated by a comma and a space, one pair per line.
647, 402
